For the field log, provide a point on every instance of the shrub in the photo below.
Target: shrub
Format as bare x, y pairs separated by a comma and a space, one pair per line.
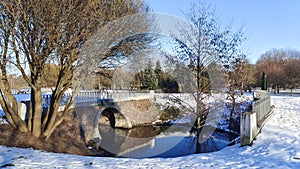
170, 113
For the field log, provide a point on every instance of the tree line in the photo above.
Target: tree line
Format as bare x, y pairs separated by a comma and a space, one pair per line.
281, 68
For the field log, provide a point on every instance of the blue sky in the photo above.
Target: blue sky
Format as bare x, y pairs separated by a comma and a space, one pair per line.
267, 23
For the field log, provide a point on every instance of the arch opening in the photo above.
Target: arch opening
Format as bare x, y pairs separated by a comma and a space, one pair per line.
107, 118
112, 117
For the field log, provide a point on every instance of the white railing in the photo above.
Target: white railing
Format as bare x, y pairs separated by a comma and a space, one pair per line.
127, 96
94, 96
82, 97
262, 107
251, 122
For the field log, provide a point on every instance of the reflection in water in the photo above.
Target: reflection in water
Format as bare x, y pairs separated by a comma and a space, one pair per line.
153, 141
112, 139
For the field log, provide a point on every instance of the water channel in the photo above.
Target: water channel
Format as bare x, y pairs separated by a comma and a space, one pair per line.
159, 141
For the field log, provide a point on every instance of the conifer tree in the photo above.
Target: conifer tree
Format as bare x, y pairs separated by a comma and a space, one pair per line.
158, 73
264, 81
149, 79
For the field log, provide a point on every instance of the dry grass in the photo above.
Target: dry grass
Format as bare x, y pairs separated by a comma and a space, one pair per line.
67, 138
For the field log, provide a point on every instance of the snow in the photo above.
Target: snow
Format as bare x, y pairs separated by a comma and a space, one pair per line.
220, 106
277, 146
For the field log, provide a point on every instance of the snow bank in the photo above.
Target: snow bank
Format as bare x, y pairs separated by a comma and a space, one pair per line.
278, 146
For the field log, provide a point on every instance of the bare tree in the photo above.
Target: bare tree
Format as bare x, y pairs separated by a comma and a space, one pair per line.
239, 74
281, 67
243, 72
202, 46
292, 69
35, 33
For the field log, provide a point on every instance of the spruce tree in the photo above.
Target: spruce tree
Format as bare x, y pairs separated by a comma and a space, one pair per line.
149, 79
264, 81
158, 73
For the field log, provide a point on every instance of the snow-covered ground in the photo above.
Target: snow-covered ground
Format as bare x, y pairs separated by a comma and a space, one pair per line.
278, 146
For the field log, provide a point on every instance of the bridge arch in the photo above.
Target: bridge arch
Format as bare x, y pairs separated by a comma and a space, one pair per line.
107, 117
110, 117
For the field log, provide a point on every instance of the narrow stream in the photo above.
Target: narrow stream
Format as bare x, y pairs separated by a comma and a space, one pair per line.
155, 141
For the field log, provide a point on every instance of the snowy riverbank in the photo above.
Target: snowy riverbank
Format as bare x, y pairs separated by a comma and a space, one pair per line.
278, 146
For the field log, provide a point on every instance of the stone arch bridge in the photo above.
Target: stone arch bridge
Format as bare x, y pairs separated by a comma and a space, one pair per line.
121, 110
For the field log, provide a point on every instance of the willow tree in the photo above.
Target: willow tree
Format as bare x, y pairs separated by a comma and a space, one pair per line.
37, 32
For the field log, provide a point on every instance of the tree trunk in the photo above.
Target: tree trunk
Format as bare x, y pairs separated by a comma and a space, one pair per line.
198, 130
10, 106
49, 124
242, 88
30, 117
232, 108
37, 110
198, 144
13, 118
52, 120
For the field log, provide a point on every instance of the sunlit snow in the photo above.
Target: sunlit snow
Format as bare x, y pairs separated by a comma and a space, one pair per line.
277, 146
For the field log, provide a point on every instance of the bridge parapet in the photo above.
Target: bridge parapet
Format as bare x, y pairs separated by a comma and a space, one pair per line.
252, 122
129, 96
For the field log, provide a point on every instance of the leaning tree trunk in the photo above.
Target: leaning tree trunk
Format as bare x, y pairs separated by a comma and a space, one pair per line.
12, 114
51, 117
9, 104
